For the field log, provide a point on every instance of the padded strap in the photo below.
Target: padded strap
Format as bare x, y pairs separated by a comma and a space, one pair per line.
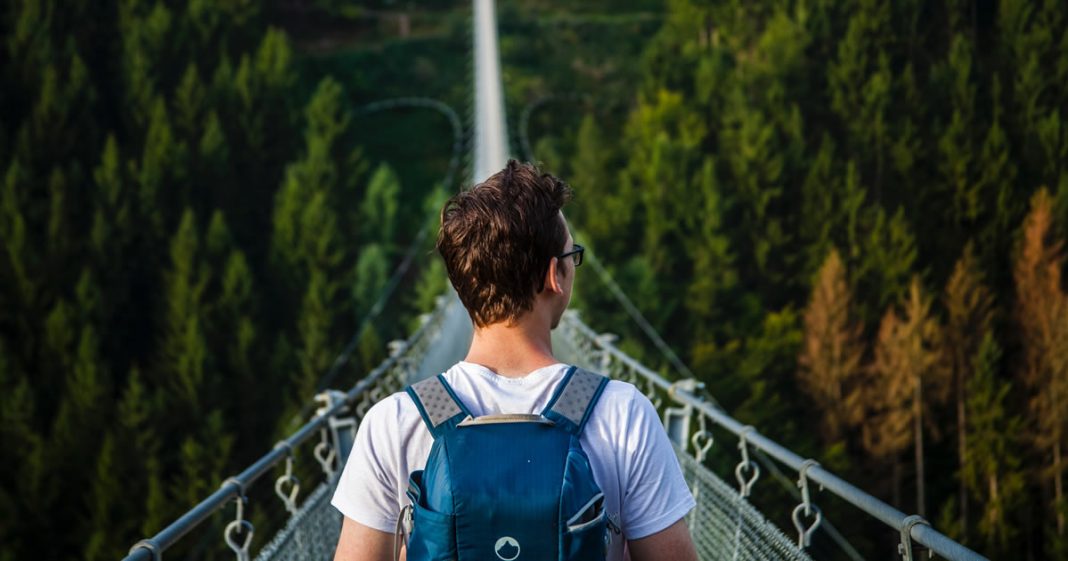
439, 407
575, 398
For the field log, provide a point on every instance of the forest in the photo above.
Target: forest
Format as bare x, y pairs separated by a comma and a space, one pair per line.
848, 218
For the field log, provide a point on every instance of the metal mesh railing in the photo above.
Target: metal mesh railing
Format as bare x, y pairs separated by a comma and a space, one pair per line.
726, 526
311, 532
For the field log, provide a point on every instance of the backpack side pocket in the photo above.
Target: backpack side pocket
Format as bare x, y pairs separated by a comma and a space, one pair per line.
583, 518
588, 539
433, 533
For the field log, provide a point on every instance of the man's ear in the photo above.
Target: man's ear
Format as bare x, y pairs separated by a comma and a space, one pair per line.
551, 281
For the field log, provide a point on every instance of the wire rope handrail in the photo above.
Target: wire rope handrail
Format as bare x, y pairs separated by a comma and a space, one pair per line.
910, 527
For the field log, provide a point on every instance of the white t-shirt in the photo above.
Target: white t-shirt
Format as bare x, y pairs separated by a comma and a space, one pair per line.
632, 459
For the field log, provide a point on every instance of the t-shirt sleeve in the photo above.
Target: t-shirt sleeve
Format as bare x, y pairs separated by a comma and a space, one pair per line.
655, 492
367, 490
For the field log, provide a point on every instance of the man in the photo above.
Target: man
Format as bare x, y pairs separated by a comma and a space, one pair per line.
512, 261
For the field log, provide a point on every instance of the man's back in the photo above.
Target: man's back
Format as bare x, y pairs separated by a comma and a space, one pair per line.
512, 260
633, 462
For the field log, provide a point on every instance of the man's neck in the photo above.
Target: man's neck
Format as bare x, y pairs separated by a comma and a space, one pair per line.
513, 350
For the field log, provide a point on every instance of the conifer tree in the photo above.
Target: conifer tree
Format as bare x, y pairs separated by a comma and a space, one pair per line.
112, 215
926, 369
371, 275
1042, 316
831, 350
991, 470
13, 231
885, 255
969, 308
160, 169
858, 81
997, 175
143, 34
955, 146
22, 474
664, 134
886, 430
190, 99
907, 377
107, 489
378, 210
711, 294
590, 174
756, 165
183, 350
831, 207
314, 327
79, 420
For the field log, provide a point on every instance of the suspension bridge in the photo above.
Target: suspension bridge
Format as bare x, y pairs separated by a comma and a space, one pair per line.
724, 525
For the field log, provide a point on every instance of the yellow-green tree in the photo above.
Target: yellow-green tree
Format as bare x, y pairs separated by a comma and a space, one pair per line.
907, 379
969, 310
831, 350
1042, 317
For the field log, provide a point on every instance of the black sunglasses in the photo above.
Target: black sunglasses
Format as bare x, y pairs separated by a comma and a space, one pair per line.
576, 250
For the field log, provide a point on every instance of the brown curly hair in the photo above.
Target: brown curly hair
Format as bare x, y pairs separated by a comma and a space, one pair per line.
498, 238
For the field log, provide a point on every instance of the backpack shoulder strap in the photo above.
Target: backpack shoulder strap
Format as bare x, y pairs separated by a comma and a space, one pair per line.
438, 405
574, 399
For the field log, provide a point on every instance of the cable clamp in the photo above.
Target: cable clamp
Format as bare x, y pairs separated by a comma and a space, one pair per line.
905, 547
151, 546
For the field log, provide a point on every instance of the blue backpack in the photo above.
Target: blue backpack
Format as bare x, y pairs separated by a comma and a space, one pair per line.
507, 487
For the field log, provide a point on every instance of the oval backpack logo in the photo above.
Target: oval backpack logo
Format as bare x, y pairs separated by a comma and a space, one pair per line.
506, 548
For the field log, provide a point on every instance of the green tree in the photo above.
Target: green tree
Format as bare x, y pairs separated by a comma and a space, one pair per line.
13, 230
969, 310
378, 209
956, 145
712, 296
183, 351
992, 471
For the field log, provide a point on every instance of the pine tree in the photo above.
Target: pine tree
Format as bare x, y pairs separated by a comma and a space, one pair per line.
107, 489
161, 169
1042, 317
831, 350
831, 206
663, 134
590, 175
885, 257
886, 393
378, 210
314, 327
991, 470
190, 100
372, 273
955, 145
231, 330
80, 419
756, 163
712, 293
13, 231
969, 307
765, 371
859, 84
22, 475
997, 176
908, 375
183, 351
